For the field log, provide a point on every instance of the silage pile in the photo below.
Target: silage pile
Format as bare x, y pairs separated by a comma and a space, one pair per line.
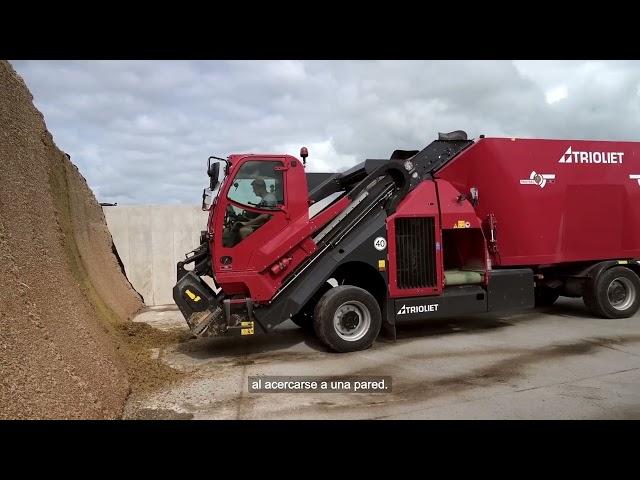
64, 301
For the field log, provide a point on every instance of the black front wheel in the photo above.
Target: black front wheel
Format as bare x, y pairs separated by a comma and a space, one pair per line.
347, 319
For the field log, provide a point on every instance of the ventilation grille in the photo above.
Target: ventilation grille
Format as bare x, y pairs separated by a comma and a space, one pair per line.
415, 252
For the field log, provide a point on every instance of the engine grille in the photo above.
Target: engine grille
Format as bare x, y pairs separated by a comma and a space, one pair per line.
415, 252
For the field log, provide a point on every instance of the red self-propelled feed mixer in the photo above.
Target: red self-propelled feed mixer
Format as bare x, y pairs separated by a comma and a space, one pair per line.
460, 227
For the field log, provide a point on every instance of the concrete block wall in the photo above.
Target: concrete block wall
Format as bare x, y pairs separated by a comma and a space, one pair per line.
150, 240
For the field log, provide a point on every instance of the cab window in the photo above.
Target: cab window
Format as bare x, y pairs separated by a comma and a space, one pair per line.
258, 185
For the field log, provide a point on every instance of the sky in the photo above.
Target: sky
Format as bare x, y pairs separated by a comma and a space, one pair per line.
141, 131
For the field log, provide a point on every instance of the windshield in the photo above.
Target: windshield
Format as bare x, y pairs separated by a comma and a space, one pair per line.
258, 185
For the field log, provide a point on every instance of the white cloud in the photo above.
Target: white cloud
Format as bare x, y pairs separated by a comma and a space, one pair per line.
141, 131
556, 94
323, 156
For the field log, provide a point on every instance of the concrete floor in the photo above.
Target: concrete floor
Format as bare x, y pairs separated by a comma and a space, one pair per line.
556, 363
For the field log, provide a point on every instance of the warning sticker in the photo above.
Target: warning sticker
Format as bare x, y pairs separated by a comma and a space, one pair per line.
462, 224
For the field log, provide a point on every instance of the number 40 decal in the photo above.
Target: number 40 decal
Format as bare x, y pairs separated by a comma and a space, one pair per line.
380, 243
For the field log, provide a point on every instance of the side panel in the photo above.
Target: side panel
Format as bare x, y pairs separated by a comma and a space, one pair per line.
463, 243
463, 300
455, 213
511, 289
554, 201
420, 203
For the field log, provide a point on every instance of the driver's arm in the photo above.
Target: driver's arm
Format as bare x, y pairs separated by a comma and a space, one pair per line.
259, 220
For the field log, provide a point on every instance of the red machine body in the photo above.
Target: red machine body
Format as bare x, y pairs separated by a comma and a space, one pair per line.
554, 201
457, 228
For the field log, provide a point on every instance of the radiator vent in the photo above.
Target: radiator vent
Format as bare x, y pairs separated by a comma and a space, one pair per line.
415, 252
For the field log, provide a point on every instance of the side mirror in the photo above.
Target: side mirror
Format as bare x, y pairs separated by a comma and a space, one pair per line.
213, 171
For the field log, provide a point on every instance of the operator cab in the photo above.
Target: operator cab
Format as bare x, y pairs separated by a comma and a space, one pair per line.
261, 198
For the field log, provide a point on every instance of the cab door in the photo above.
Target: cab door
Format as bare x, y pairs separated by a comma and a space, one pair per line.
252, 210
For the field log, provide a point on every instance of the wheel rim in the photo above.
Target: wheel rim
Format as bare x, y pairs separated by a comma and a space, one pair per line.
352, 321
621, 293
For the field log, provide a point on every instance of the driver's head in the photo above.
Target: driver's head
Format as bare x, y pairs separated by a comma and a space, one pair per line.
259, 187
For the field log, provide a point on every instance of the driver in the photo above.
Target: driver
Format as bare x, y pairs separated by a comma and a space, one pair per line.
268, 200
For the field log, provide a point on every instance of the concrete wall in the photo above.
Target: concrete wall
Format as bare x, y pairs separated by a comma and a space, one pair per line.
150, 240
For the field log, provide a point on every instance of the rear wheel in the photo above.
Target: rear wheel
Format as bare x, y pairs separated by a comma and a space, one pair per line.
615, 293
347, 319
